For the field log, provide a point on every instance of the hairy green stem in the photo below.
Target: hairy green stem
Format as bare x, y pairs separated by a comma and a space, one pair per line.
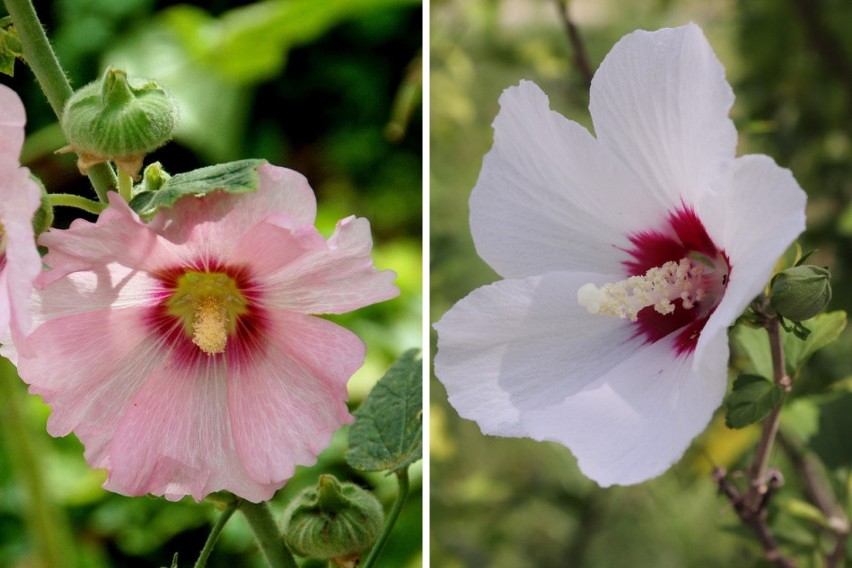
267, 534
46, 523
71, 200
42, 60
215, 532
402, 479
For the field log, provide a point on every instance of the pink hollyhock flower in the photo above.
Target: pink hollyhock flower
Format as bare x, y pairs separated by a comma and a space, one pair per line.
20, 197
626, 256
181, 352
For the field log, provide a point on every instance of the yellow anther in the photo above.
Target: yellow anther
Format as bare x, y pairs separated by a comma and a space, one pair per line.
210, 325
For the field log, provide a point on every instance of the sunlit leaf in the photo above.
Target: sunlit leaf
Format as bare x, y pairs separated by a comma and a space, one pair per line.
266, 30
751, 346
752, 399
388, 428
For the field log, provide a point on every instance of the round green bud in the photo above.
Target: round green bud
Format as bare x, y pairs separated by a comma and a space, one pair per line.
332, 521
119, 119
800, 292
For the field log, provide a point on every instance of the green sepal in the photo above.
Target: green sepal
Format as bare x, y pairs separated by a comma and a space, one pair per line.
232, 177
10, 46
387, 433
43, 217
751, 400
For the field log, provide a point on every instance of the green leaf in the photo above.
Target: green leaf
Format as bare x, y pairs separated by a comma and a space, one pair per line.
387, 434
233, 177
825, 328
266, 30
751, 400
831, 440
803, 510
751, 350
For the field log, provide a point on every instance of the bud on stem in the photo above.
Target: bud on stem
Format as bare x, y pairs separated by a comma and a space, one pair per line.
119, 119
333, 521
801, 292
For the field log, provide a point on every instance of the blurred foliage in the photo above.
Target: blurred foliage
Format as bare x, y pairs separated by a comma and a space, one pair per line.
307, 84
517, 503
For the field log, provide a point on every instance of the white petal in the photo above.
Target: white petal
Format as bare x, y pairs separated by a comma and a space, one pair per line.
521, 344
660, 102
754, 220
635, 422
549, 197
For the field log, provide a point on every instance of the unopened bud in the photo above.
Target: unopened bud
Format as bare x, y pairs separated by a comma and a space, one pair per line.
119, 119
801, 292
333, 521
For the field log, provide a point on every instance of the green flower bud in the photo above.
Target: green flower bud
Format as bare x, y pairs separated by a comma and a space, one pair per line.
118, 118
333, 521
801, 292
153, 178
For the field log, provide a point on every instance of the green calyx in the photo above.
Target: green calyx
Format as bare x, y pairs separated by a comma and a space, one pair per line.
119, 119
333, 521
801, 292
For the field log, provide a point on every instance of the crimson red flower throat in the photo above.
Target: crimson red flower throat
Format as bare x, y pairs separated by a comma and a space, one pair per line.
684, 238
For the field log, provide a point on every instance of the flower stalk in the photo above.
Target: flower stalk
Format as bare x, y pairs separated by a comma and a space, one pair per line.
80, 202
41, 58
267, 534
213, 537
403, 481
757, 472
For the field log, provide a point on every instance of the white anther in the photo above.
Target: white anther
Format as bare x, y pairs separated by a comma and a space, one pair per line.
657, 288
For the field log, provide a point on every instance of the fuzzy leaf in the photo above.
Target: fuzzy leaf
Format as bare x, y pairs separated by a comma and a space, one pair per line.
751, 400
233, 177
388, 428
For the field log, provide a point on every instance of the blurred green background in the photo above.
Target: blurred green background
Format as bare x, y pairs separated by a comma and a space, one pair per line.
512, 503
330, 88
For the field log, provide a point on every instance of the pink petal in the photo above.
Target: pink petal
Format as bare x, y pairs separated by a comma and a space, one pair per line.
12, 121
118, 236
336, 279
175, 438
20, 197
286, 403
207, 226
660, 103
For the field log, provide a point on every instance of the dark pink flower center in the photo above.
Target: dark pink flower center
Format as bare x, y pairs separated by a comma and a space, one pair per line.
207, 310
684, 237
